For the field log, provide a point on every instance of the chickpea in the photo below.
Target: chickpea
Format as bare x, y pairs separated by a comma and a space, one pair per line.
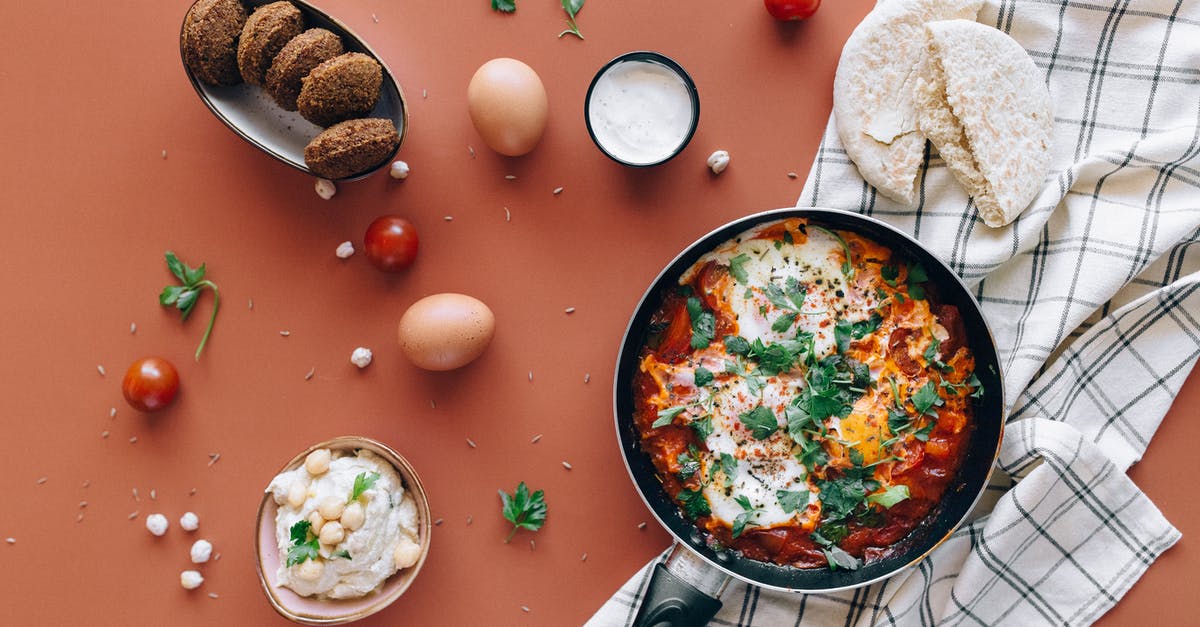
316, 521
310, 570
332, 533
353, 516
406, 553
297, 494
331, 507
317, 462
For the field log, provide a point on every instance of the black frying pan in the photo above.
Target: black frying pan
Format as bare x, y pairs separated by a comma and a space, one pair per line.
684, 591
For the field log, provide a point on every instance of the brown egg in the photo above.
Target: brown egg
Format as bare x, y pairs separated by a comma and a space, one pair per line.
508, 106
446, 331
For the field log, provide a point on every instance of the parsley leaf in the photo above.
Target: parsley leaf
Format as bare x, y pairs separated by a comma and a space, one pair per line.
737, 268
362, 482
694, 503
703, 323
523, 510
302, 549
792, 501
839, 497
977, 384
890, 273
703, 376
794, 292
777, 297
839, 558
842, 332
728, 465
343, 553
761, 422
737, 345
926, 399
572, 7
703, 427
184, 297
688, 464
504, 6
748, 512
784, 322
812, 453
863, 328
889, 497
666, 416
847, 265
916, 276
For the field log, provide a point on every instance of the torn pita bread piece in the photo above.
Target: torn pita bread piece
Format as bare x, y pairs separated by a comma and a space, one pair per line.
873, 91
986, 108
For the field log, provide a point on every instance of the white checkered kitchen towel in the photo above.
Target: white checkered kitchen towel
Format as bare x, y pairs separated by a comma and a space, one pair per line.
1094, 298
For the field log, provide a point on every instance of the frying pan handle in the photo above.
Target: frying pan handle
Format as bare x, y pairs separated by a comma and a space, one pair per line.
682, 592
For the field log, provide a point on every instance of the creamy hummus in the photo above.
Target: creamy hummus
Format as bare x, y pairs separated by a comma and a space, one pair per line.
372, 546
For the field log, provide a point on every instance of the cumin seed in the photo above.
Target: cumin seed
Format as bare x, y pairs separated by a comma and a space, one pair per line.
432, 404
192, 493
792, 175
569, 310
470, 443
42, 480
11, 540
212, 458
285, 333
100, 369
469, 520
376, 20
311, 371
449, 218
510, 177
82, 504
79, 518
112, 412
583, 558
642, 525
558, 190
104, 434
567, 465
535, 439
531, 376
213, 595
250, 304
525, 608
86, 483
164, 153
438, 522
471, 151
532, 545
133, 327
133, 440
424, 93
135, 495
587, 376
507, 215
153, 494
133, 515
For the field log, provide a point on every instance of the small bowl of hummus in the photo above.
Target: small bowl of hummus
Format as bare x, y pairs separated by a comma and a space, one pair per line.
343, 529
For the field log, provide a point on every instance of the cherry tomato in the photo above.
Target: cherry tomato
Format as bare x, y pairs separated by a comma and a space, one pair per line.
792, 9
391, 243
150, 384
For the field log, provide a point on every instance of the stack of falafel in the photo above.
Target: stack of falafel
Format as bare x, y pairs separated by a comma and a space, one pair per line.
303, 70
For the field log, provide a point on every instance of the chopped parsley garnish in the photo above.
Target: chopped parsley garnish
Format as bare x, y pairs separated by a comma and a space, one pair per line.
343, 554
737, 345
703, 427
743, 519
688, 463
890, 496
694, 504
703, 376
727, 464
703, 323
931, 354
363, 481
926, 399
916, 276
761, 422
890, 273
792, 501
667, 416
303, 547
737, 268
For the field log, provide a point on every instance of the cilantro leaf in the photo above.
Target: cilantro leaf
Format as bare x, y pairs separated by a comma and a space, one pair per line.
916, 276
863, 328
840, 558
703, 427
694, 503
890, 273
299, 531
974, 382
777, 297
688, 464
889, 497
737, 268
667, 416
703, 376
363, 481
523, 510
842, 333
728, 465
784, 322
703, 323
812, 453
841, 496
792, 501
794, 292
504, 6
743, 519
572, 7
761, 422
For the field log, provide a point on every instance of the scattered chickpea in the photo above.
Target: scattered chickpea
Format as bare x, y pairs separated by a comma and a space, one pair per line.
353, 516
344, 250
406, 553
297, 494
310, 570
331, 507
718, 161
332, 533
191, 579
317, 462
156, 524
316, 521
325, 188
201, 551
189, 521
361, 357
399, 170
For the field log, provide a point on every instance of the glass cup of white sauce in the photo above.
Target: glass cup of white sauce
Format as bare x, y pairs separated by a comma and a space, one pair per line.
641, 109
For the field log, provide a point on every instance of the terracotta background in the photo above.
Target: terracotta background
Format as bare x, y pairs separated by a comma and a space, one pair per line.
92, 93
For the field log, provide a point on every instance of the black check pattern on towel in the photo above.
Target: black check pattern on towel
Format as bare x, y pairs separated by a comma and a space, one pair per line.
1093, 295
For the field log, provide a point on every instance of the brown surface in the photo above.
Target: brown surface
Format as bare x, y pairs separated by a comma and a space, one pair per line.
90, 206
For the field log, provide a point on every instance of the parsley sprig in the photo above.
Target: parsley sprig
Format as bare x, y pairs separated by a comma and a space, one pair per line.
523, 510
185, 296
363, 481
746, 517
572, 7
704, 323
304, 546
504, 6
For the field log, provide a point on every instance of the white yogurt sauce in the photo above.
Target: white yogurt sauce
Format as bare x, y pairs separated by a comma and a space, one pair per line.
640, 111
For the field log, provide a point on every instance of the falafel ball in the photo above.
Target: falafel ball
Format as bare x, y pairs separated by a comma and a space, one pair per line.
209, 40
266, 32
344, 87
351, 147
303, 53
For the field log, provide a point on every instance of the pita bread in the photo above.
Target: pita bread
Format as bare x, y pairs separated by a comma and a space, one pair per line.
986, 108
873, 91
